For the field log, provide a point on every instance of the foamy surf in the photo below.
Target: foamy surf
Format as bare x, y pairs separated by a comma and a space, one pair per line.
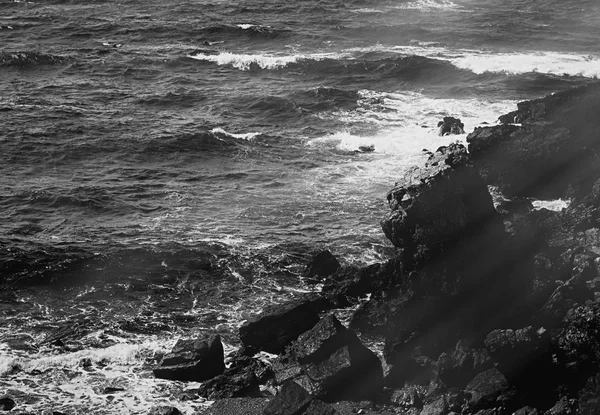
556, 205
430, 5
406, 122
552, 63
246, 136
245, 62
512, 63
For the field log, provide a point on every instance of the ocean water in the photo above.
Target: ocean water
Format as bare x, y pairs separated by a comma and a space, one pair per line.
167, 167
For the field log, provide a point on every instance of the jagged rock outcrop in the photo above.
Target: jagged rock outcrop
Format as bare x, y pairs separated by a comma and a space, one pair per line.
193, 360
458, 265
553, 154
330, 362
484, 308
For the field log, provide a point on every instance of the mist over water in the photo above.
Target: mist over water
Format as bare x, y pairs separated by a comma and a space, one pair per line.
168, 168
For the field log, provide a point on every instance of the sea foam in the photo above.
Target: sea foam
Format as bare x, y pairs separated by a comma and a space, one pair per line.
430, 5
406, 122
513, 63
245, 62
552, 63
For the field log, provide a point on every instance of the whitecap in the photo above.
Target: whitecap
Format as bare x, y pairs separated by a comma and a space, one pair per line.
556, 205
245, 62
514, 63
429, 5
554, 63
246, 136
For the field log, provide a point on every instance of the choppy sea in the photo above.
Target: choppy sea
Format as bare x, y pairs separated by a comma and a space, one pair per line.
166, 167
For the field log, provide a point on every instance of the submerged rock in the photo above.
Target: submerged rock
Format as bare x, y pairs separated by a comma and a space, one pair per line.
193, 360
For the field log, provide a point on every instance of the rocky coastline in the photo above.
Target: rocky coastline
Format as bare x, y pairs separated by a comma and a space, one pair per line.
490, 305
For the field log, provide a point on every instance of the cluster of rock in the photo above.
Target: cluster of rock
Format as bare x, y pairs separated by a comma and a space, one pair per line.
487, 308
450, 126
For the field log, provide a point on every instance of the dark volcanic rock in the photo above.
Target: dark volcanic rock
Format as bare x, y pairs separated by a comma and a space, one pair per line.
330, 362
164, 410
524, 357
450, 125
193, 360
6, 403
437, 407
563, 407
589, 397
490, 389
515, 350
459, 265
233, 383
460, 366
292, 399
552, 155
322, 264
438, 204
235, 406
318, 407
279, 325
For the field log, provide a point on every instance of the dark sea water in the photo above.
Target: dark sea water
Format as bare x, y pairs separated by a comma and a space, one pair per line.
168, 166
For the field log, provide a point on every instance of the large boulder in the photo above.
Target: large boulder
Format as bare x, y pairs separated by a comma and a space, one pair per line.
277, 326
330, 362
490, 389
193, 360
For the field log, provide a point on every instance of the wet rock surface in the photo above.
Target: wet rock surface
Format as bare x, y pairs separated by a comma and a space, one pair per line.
279, 325
193, 360
331, 363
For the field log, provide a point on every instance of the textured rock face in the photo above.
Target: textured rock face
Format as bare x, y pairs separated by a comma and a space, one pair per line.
490, 389
276, 327
552, 154
330, 362
450, 125
459, 265
438, 204
193, 360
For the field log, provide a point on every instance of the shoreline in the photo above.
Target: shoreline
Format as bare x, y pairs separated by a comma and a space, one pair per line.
482, 301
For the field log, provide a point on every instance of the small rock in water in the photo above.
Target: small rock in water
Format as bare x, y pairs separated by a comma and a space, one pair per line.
6, 403
450, 125
367, 149
164, 410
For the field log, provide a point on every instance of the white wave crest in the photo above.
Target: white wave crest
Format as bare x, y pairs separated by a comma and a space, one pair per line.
514, 63
553, 63
244, 62
429, 5
555, 205
247, 136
